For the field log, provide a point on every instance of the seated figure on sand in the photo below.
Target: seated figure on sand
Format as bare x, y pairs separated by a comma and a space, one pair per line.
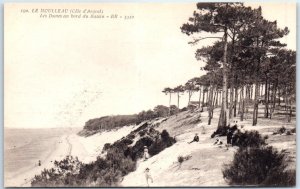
196, 138
218, 142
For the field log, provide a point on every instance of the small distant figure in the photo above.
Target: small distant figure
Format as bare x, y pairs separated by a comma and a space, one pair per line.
148, 176
196, 138
218, 142
230, 132
146, 154
235, 137
40, 163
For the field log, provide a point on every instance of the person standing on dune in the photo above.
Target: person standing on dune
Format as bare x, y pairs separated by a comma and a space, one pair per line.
148, 176
146, 154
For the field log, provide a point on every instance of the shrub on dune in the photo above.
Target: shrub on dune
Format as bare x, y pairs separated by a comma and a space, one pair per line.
262, 166
161, 143
249, 139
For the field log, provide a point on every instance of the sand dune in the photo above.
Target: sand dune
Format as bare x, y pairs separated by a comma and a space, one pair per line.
204, 167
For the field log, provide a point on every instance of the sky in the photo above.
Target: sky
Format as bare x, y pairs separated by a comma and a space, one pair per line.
63, 72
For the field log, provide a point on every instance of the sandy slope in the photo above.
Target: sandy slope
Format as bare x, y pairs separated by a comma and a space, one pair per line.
204, 168
88, 148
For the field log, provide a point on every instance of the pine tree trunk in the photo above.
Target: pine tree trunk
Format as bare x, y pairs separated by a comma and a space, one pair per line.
285, 99
207, 98
255, 108
288, 106
266, 99
290, 109
220, 98
203, 94
257, 86
214, 102
274, 100
269, 89
223, 116
279, 96
243, 103
235, 100
190, 94
231, 101
210, 105
276, 92
248, 92
247, 99
239, 108
217, 97
199, 97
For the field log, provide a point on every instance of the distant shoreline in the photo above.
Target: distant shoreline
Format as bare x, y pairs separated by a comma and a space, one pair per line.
43, 145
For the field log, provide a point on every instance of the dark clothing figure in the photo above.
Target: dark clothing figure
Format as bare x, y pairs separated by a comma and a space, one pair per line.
236, 137
230, 133
40, 163
229, 136
196, 139
233, 128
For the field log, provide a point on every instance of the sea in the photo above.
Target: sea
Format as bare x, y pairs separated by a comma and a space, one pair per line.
23, 148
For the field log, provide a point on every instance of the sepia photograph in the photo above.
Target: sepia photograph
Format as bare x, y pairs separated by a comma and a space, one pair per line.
152, 94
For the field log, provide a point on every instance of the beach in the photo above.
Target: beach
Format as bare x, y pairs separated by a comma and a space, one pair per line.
19, 170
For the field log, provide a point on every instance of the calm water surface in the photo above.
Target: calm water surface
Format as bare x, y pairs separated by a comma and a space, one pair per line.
24, 147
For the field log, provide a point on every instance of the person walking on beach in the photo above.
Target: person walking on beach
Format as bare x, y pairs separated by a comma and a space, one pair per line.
148, 176
146, 154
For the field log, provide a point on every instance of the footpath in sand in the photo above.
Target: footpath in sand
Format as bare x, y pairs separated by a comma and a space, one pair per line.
204, 167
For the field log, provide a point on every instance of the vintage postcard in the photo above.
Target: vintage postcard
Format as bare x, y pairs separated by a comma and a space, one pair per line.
198, 94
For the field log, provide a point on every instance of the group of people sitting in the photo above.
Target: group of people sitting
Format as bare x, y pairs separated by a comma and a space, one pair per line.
232, 134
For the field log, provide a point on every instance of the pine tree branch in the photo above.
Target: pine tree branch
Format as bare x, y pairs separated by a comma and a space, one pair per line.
199, 39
